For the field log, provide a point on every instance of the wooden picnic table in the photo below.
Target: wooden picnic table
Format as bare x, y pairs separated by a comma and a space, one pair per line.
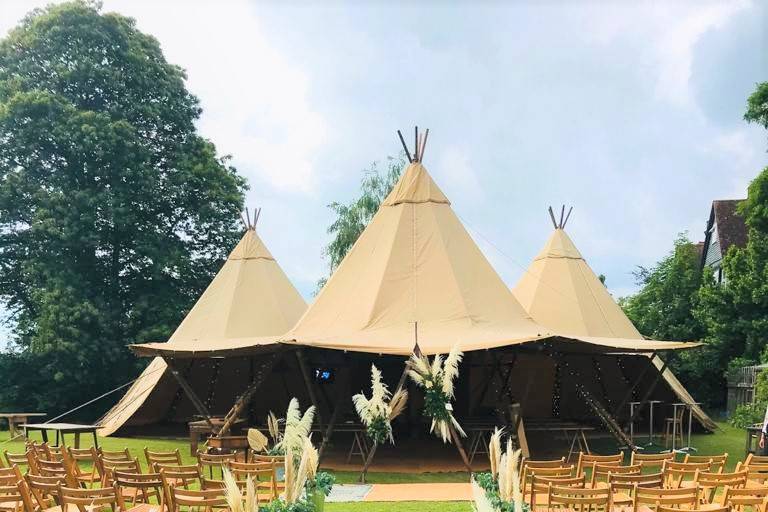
17, 418
61, 429
576, 432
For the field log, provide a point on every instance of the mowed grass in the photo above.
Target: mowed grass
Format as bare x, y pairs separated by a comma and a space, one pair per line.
726, 440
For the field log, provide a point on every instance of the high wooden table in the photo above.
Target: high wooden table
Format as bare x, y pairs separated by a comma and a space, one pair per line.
61, 429
17, 418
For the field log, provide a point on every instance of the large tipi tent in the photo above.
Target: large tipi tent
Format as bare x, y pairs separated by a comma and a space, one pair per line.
561, 292
250, 296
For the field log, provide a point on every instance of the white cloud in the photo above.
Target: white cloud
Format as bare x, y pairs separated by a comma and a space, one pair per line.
255, 104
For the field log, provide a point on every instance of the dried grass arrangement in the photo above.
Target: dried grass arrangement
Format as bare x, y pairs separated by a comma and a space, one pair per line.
377, 412
502, 484
296, 429
437, 377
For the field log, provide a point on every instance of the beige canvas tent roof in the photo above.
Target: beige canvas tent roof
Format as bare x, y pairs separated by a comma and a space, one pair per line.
250, 296
561, 291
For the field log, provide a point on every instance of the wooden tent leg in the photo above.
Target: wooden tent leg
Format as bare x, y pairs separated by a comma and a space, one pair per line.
258, 379
632, 389
309, 384
460, 447
199, 405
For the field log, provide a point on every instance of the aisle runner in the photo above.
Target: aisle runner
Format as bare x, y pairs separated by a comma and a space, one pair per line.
402, 492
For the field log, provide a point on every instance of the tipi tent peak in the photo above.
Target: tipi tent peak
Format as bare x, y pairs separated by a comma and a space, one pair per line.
561, 292
563, 221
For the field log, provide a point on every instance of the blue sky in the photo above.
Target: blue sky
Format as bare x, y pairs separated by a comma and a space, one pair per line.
630, 112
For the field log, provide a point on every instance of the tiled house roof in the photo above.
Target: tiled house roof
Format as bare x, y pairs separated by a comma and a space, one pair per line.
728, 227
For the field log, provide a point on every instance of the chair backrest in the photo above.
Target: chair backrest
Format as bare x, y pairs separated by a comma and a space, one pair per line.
10, 475
204, 499
123, 454
716, 462
687, 497
551, 472
600, 473
44, 489
169, 457
144, 485
211, 461
88, 499
263, 474
53, 453
578, 499
109, 467
651, 460
676, 472
540, 485
53, 468
755, 472
178, 476
586, 461
627, 481
260, 457
755, 459
709, 483
18, 459
753, 497
39, 450
16, 497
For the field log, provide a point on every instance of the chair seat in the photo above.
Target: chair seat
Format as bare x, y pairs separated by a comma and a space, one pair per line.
11, 505
622, 498
144, 507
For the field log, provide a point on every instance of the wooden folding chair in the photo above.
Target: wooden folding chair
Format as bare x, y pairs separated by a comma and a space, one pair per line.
710, 483
651, 460
15, 497
662, 508
153, 458
539, 486
89, 500
214, 461
531, 464
136, 490
44, 491
755, 459
682, 474
53, 453
717, 462
573, 499
587, 461
109, 466
22, 460
87, 475
124, 454
686, 497
204, 499
600, 473
260, 457
757, 474
183, 477
263, 474
56, 468
39, 450
623, 485
552, 472
756, 498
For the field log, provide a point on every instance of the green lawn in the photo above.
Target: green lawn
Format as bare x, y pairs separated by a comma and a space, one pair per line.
727, 439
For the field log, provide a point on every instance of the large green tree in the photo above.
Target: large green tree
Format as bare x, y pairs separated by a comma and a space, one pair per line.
114, 212
664, 309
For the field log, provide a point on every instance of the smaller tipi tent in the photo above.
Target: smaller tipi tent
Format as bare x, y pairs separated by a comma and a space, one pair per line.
560, 291
249, 297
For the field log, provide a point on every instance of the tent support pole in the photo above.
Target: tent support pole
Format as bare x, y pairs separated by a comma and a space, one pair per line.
199, 405
650, 389
460, 448
369, 458
259, 376
341, 401
632, 389
308, 382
